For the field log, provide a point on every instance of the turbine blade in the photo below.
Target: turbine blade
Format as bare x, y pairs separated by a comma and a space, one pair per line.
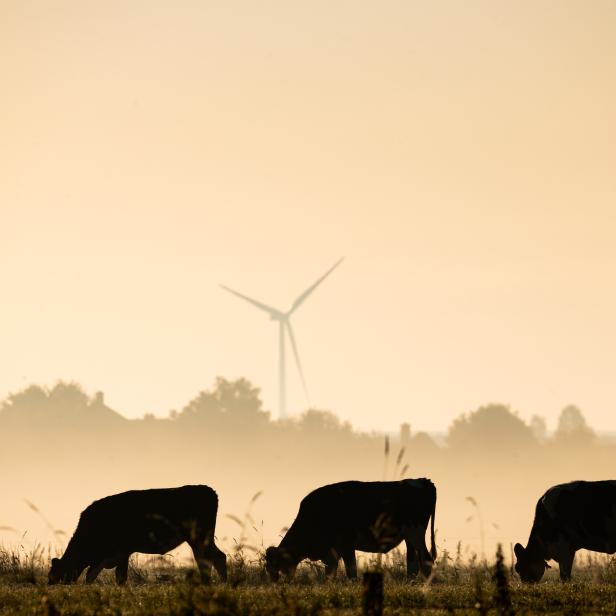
302, 298
297, 361
275, 314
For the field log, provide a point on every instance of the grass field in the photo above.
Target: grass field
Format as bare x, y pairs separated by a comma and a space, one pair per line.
158, 587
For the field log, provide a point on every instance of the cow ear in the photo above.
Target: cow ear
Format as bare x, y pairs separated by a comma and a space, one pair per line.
518, 550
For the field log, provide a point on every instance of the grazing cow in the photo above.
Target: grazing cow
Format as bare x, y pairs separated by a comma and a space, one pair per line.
149, 521
569, 517
335, 520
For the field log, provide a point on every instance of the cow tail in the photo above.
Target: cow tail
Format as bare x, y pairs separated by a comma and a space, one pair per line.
432, 544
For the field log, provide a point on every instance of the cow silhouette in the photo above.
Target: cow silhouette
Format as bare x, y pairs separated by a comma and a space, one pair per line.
149, 521
568, 517
335, 520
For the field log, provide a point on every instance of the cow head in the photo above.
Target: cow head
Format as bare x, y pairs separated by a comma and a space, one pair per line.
529, 567
61, 573
278, 561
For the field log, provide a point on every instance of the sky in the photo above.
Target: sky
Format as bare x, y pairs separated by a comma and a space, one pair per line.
460, 156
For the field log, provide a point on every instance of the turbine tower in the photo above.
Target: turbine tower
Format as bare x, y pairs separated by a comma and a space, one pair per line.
284, 328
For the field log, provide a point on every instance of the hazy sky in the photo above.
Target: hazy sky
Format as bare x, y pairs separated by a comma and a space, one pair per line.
460, 155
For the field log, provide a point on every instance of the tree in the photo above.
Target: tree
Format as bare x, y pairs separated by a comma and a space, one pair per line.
229, 401
423, 444
572, 428
314, 420
67, 399
30, 402
539, 427
491, 427
63, 404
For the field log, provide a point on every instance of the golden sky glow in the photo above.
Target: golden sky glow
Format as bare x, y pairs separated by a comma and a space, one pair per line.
461, 155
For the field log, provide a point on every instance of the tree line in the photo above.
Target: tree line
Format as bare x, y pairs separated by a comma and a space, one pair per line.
235, 406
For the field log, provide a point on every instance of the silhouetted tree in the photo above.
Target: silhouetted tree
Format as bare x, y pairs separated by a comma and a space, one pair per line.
539, 428
423, 444
572, 428
490, 427
64, 404
67, 398
29, 401
314, 420
229, 401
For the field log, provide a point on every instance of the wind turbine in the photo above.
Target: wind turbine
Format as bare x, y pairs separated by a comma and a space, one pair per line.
284, 328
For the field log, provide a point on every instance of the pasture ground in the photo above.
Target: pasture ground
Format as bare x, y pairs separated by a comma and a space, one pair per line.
159, 588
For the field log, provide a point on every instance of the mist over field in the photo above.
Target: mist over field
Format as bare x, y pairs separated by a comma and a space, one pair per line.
63, 448
270, 246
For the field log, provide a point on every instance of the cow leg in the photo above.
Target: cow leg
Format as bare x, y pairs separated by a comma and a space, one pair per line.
565, 563
207, 554
93, 571
121, 572
350, 564
425, 564
331, 564
218, 558
425, 560
412, 563
203, 563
